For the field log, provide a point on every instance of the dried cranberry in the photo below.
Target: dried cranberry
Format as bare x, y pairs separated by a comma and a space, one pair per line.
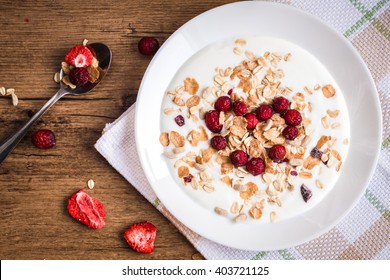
290, 132
211, 119
188, 178
292, 117
230, 92
180, 120
255, 166
306, 193
148, 45
277, 153
238, 158
293, 173
218, 142
223, 104
315, 153
240, 108
79, 76
264, 112
251, 120
280, 104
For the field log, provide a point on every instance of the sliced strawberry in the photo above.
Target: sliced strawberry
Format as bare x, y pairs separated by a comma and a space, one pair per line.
79, 56
86, 210
141, 236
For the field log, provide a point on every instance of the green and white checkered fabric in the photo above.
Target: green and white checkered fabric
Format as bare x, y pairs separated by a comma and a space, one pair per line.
365, 232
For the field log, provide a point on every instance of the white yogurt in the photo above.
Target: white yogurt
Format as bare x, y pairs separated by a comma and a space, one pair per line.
301, 70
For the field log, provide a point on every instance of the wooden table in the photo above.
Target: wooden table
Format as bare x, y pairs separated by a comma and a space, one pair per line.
34, 183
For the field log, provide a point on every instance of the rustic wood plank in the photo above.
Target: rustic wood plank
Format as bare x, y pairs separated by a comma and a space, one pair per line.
34, 184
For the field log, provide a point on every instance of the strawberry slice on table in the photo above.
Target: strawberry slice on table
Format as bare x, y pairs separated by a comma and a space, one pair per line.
79, 56
141, 236
86, 209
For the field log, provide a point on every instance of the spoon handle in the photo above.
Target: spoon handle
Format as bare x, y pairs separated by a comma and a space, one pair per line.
7, 147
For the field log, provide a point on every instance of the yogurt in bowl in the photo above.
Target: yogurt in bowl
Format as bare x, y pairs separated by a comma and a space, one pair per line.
255, 71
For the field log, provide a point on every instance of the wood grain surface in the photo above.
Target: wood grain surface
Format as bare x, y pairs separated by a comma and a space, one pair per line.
34, 183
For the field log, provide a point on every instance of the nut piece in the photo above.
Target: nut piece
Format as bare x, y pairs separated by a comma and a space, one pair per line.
322, 141
93, 74
227, 180
9, 91
235, 208
250, 191
15, 99
193, 101
220, 211
183, 171
177, 139
255, 213
240, 218
191, 86
305, 175
65, 67
328, 91
237, 51
240, 42
57, 77
91, 184
67, 82
324, 121
164, 139
319, 184
333, 114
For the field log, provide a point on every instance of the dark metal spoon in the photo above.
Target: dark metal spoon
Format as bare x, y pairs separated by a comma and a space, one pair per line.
103, 55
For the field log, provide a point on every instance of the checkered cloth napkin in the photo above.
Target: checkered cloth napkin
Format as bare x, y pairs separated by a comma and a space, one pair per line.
365, 232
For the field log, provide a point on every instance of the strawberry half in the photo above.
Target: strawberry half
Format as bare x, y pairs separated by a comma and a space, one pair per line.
86, 210
141, 236
79, 56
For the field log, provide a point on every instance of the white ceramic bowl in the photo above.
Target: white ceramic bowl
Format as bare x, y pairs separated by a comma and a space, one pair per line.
332, 50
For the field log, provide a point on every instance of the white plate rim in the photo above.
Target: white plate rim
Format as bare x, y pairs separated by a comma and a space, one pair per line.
278, 242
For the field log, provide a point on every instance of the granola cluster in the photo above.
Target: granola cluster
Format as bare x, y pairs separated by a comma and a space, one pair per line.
257, 83
80, 68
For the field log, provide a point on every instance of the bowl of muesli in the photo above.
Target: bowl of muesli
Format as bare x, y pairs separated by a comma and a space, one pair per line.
255, 131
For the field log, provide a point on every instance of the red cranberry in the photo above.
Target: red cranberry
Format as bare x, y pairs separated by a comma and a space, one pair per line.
218, 142
180, 120
230, 92
251, 120
255, 166
223, 104
280, 104
290, 132
293, 173
188, 178
238, 158
211, 119
292, 117
79, 76
239, 108
315, 153
264, 112
277, 153
148, 45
